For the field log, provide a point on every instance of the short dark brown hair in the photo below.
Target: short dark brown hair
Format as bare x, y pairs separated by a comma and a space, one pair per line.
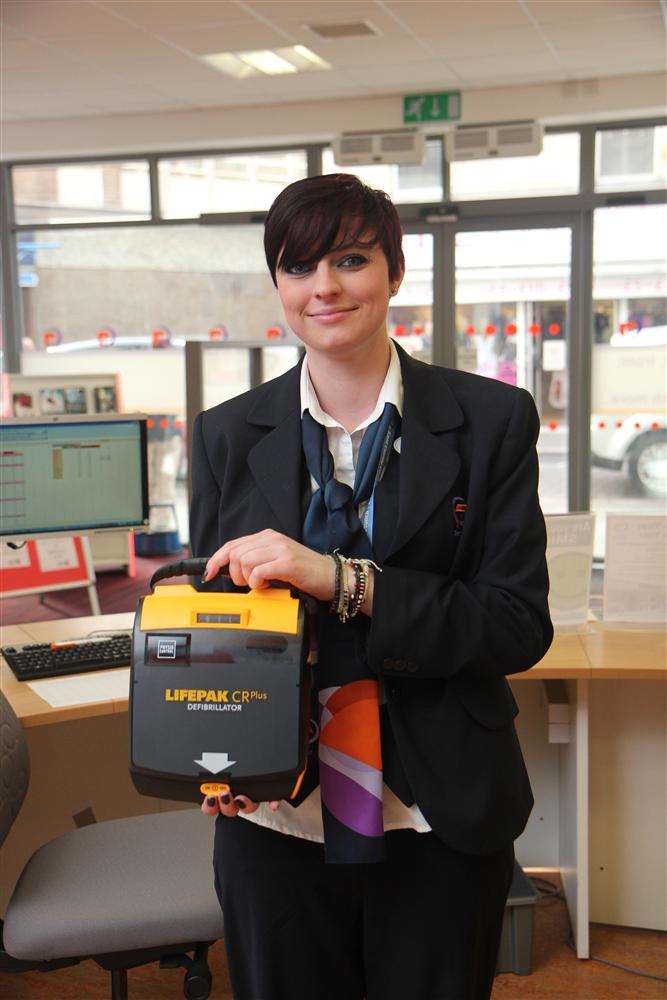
307, 216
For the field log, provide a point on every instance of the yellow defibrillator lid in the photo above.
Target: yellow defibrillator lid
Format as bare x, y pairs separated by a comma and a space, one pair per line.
271, 609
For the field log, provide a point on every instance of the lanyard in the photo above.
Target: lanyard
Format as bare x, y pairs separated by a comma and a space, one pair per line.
383, 461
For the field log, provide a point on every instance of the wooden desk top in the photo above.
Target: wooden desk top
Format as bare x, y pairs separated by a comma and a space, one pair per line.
599, 651
565, 659
638, 653
29, 707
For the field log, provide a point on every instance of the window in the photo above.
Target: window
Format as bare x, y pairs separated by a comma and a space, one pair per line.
512, 319
410, 319
232, 183
630, 158
629, 364
98, 296
82, 192
554, 171
403, 182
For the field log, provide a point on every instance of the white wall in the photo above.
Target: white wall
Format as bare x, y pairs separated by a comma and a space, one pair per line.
553, 103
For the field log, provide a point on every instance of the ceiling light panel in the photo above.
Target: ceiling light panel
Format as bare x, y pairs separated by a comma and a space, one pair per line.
229, 63
266, 61
305, 60
269, 62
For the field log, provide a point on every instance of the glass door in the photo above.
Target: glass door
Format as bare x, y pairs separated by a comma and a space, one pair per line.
410, 319
512, 323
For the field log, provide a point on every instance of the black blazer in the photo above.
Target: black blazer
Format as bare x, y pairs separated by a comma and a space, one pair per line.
462, 598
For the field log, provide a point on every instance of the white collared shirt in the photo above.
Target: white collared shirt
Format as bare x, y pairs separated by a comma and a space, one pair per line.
306, 820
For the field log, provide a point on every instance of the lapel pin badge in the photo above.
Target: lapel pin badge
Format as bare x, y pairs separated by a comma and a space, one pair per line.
459, 508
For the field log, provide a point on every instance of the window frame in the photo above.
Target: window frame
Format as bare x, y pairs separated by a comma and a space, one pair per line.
439, 218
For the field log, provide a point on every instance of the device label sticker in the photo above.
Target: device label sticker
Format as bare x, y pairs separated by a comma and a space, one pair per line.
167, 650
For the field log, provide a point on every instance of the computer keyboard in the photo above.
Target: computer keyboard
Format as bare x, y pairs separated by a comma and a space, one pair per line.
55, 659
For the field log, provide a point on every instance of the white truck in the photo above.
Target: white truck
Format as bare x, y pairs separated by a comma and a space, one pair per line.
628, 408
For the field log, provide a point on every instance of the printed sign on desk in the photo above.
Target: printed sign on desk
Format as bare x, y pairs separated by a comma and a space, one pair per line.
569, 560
635, 573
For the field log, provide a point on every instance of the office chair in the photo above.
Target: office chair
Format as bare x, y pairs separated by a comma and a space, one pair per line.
123, 892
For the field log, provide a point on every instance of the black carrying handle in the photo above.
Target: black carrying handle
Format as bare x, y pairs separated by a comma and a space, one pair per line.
196, 567
186, 567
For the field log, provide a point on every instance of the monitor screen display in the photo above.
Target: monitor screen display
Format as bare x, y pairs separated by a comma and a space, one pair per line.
59, 475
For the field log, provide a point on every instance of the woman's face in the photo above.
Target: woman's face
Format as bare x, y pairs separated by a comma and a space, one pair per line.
340, 302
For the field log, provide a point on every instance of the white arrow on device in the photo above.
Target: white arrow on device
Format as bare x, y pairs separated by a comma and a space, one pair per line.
215, 762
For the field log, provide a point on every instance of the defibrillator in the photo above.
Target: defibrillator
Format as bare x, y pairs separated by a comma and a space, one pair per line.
220, 688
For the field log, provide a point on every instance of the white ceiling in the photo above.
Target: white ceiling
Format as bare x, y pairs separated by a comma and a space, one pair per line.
78, 58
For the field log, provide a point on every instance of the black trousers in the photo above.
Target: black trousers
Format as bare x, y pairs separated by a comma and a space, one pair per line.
424, 925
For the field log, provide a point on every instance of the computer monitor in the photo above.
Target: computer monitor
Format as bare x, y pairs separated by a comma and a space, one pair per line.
73, 475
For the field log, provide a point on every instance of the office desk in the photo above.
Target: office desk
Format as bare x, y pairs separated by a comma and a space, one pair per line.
599, 798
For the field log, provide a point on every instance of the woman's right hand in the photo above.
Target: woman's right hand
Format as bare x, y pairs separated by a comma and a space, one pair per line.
213, 804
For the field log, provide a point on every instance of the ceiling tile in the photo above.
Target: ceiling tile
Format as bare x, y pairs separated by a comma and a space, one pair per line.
422, 16
227, 38
359, 52
599, 35
475, 44
61, 17
177, 13
33, 57
132, 45
553, 11
280, 11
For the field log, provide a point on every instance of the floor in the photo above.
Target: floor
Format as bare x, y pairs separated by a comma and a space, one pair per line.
557, 974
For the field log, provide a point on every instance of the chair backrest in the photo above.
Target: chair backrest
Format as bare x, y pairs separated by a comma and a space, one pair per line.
14, 767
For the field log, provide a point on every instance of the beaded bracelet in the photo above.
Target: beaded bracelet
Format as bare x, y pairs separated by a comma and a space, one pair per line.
360, 582
344, 603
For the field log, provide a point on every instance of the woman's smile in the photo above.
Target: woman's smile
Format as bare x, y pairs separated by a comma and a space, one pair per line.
331, 315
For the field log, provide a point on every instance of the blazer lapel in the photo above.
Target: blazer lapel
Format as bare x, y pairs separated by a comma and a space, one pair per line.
429, 459
276, 460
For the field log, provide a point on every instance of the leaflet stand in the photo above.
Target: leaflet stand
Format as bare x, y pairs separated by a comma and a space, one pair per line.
49, 564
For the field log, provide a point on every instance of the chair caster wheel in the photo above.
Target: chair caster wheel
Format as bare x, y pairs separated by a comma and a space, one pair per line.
197, 981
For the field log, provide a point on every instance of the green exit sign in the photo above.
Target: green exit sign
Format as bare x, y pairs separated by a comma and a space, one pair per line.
444, 107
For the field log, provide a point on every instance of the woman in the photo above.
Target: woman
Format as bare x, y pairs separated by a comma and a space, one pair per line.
387, 876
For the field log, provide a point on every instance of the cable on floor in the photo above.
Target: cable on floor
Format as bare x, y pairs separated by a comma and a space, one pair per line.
553, 892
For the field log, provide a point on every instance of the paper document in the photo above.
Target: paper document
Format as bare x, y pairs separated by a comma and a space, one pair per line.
635, 572
81, 689
15, 558
569, 560
56, 553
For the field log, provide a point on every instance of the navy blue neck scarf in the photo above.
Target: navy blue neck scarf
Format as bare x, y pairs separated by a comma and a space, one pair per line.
345, 691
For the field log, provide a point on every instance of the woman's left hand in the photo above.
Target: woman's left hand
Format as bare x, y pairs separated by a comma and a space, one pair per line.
256, 559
